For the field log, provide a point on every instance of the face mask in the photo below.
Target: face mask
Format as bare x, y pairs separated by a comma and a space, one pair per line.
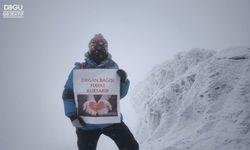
98, 56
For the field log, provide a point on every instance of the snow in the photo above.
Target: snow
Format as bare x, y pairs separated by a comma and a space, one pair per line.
198, 100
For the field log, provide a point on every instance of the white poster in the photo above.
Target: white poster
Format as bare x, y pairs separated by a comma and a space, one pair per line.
97, 95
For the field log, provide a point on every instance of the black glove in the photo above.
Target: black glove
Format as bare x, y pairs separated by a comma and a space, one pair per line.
122, 74
77, 121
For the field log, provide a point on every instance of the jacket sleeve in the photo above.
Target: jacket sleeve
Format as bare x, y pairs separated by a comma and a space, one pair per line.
124, 88
68, 97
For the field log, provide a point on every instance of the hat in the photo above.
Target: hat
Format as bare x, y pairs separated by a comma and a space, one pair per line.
98, 42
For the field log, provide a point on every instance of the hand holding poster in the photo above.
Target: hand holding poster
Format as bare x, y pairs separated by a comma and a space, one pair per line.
97, 94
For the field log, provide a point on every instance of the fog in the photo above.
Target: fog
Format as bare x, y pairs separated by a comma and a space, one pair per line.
39, 50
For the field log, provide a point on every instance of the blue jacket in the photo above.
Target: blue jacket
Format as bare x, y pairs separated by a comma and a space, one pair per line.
69, 102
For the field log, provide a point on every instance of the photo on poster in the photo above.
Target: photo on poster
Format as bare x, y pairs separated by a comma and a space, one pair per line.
97, 105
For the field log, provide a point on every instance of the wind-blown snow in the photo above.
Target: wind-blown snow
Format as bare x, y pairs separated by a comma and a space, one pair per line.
200, 100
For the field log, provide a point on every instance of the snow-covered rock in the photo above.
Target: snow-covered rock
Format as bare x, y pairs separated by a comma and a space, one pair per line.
200, 100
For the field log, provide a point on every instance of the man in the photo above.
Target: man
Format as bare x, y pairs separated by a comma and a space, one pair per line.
88, 134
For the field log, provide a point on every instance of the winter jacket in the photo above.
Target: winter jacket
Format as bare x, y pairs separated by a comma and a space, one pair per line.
68, 98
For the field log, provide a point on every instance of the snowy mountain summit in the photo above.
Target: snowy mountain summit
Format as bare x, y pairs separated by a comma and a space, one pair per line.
200, 100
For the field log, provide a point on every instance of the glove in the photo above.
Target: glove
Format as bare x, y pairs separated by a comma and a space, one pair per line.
122, 74
77, 121
107, 106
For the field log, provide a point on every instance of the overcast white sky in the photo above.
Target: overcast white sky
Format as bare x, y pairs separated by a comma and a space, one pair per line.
38, 51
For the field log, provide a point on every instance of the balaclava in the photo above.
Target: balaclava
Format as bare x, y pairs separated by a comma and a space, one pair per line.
98, 48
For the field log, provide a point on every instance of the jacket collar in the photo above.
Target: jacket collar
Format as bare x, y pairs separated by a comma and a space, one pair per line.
91, 64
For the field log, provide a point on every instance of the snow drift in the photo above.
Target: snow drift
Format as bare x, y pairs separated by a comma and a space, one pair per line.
198, 101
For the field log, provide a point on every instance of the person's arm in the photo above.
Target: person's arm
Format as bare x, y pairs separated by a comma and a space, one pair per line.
69, 102
68, 98
124, 86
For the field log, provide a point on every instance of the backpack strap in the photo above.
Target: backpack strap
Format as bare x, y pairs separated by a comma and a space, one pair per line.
82, 65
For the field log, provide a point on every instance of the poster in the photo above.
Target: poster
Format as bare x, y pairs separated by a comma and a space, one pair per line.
97, 95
